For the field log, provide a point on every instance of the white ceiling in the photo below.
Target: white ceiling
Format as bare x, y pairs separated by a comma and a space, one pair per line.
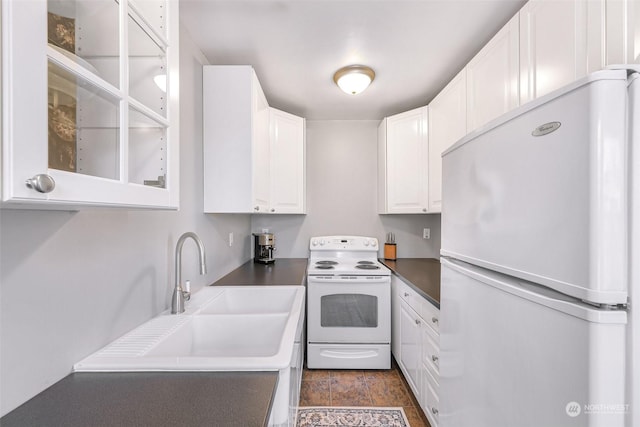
295, 46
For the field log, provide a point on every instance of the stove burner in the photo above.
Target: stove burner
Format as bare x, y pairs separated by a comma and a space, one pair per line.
326, 262
367, 267
365, 262
324, 267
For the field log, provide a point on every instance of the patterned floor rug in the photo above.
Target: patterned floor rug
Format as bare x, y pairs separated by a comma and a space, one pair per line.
324, 416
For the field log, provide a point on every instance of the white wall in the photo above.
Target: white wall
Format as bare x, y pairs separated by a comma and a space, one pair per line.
342, 196
71, 282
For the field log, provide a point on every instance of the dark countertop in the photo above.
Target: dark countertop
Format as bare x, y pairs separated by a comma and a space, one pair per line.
241, 399
284, 271
151, 399
422, 274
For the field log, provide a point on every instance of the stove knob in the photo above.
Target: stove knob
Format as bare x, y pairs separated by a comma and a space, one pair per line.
373, 242
322, 242
314, 242
366, 243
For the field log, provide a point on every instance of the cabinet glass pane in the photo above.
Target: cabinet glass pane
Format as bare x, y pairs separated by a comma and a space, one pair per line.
83, 126
147, 150
349, 311
87, 32
147, 69
154, 12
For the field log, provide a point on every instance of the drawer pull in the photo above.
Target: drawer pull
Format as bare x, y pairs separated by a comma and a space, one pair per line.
435, 359
434, 320
434, 411
406, 294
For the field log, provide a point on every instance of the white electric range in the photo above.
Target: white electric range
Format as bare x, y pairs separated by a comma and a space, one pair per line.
349, 304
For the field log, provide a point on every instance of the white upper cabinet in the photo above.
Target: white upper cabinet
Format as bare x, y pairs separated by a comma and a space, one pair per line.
492, 77
236, 140
287, 163
447, 124
253, 154
90, 104
560, 42
403, 145
622, 31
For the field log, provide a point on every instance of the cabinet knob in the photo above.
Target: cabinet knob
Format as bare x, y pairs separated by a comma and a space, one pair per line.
406, 294
273, 210
424, 209
417, 321
434, 411
434, 320
42, 183
257, 208
434, 359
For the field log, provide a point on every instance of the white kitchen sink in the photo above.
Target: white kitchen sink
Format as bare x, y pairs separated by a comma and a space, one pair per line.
223, 328
252, 299
250, 335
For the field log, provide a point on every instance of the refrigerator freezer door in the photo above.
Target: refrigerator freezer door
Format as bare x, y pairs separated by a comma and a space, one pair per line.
510, 356
542, 193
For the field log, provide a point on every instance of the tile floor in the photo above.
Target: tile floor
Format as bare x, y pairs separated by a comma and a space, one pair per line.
361, 388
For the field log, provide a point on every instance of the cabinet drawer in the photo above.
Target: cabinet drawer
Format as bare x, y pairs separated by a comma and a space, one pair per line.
430, 401
411, 297
431, 351
431, 315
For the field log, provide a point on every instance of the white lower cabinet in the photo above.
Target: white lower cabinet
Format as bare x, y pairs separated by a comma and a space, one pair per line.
429, 400
410, 346
418, 345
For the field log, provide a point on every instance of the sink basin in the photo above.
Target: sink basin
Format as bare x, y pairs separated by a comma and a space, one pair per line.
252, 299
252, 335
222, 328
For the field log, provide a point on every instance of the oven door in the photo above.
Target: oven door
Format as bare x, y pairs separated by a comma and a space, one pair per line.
349, 309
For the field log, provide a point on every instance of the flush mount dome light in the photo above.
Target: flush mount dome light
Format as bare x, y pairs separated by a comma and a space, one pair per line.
353, 79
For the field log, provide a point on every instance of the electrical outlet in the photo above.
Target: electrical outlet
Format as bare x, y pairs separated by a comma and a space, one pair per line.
426, 233
231, 239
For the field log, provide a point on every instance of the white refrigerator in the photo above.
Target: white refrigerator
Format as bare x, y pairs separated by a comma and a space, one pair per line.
540, 293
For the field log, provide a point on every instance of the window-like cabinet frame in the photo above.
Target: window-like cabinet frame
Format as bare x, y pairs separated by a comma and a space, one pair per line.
25, 58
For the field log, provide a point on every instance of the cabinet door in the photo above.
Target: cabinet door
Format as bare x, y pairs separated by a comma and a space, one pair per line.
557, 46
447, 124
407, 162
492, 77
622, 31
77, 110
430, 401
287, 154
261, 168
410, 348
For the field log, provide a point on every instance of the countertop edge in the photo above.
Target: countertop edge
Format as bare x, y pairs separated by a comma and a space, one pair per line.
409, 283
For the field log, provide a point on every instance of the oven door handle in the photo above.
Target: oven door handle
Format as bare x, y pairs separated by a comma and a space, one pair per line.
351, 280
349, 354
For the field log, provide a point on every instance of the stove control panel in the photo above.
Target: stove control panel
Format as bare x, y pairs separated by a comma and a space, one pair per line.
349, 243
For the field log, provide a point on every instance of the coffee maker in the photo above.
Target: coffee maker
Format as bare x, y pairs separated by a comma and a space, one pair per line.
264, 245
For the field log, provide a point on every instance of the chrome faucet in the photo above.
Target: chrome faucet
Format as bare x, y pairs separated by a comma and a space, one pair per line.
179, 294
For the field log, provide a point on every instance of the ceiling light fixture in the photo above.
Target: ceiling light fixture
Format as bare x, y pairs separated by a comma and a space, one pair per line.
353, 79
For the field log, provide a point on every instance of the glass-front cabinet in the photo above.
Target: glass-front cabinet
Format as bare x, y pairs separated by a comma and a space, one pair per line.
90, 103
